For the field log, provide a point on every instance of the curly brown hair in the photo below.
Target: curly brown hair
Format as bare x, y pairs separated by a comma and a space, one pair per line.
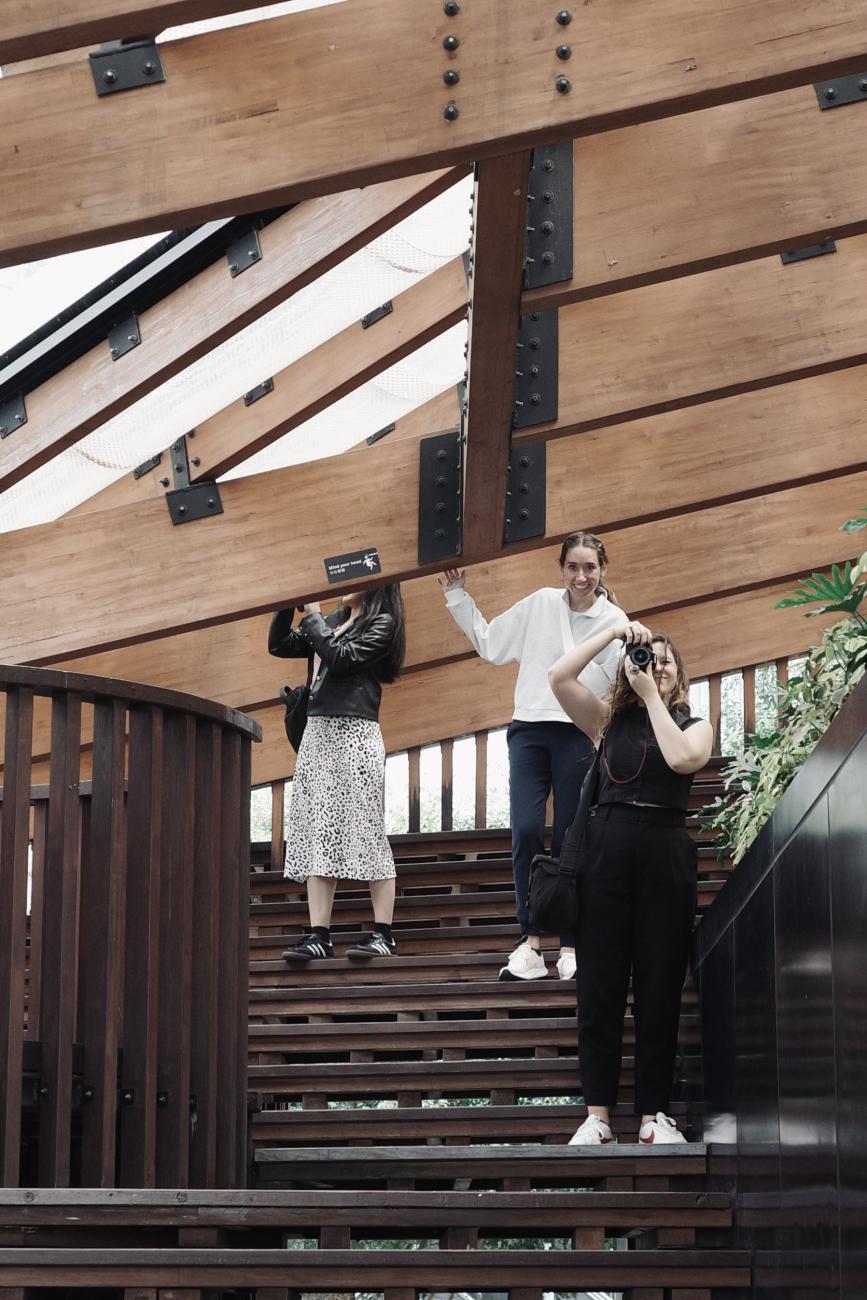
622, 696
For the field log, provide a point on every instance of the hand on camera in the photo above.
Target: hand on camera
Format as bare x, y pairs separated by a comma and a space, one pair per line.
635, 633
452, 579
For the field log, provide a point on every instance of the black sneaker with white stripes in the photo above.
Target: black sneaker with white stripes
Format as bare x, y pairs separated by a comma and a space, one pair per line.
375, 945
307, 948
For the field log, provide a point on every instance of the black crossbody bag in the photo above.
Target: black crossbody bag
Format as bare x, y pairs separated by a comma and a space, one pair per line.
553, 896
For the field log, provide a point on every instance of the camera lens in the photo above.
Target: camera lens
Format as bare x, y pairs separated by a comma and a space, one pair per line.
641, 655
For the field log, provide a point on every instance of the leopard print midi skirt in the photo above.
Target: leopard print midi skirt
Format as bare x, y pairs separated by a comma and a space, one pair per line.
336, 817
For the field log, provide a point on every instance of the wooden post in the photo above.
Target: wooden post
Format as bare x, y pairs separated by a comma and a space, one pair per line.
749, 681
414, 822
714, 683
278, 797
447, 753
481, 780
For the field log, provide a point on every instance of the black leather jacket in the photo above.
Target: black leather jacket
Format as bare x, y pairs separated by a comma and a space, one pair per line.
347, 684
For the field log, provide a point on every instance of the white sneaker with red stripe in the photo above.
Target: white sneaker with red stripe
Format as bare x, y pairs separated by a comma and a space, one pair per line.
662, 1129
594, 1132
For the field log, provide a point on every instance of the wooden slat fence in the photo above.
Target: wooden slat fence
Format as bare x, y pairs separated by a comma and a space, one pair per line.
123, 938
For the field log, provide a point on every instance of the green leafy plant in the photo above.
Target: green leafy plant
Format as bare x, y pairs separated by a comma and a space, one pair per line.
756, 778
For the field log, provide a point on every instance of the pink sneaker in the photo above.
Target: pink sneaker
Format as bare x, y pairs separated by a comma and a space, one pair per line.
660, 1130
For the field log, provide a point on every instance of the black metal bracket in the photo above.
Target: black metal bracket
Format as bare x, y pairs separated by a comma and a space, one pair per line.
526, 494
188, 502
380, 433
842, 90
126, 65
812, 250
548, 245
147, 465
125, 336
377, 314
536, 369
13, 414
440, 497
244, 253
261, 390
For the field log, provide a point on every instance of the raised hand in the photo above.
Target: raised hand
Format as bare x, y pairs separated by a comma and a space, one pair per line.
452, 579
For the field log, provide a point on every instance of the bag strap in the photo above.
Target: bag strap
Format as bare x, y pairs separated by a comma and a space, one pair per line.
574, 837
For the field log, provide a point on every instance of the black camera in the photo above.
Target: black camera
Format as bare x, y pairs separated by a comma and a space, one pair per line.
641, 655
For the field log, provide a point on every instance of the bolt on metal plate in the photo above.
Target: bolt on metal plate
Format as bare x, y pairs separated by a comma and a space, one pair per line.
126, 67
124, 337
147, 465
196, 502
548, 245
244, 253
811, 250
537, 366
13, 415
261, 390
526, 493
841, 90
440, 497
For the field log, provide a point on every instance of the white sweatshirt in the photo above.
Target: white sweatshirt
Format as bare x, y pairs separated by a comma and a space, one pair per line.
535, 633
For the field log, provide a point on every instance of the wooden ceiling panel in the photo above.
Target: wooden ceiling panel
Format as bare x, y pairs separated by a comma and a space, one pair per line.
297, 248
729, 184
716, 333
203, 144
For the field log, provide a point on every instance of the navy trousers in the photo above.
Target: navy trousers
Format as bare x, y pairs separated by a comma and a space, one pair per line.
543, 756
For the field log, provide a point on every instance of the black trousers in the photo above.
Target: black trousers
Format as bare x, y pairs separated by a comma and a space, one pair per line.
637, 908
543, 756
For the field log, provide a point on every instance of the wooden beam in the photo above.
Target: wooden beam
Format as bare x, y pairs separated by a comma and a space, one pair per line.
682, 461
500, 219
46, 26
725, 185
88, 582
711, 335
307, 386
337, 124
296, 249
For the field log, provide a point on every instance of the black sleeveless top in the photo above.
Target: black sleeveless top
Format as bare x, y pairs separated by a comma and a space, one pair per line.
632, 768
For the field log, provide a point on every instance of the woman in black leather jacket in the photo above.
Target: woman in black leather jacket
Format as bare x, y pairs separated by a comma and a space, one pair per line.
336, 826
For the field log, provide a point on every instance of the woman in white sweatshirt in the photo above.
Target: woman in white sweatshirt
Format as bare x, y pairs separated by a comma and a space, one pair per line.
546, 751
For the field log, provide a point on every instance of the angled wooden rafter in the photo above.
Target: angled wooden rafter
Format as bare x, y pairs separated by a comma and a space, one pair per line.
47, 26
725, 185
297, 248
335, 126
307, 386
500, 219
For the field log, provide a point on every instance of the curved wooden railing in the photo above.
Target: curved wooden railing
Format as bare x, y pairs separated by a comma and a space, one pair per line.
123, 1022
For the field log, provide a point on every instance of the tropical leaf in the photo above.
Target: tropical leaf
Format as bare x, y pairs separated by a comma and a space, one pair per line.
855, 525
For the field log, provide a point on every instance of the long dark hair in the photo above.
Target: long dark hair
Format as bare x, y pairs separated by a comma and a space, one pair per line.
387, 600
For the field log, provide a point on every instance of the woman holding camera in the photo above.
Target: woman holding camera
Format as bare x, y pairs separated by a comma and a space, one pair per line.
336, 825
546, 752
637, 883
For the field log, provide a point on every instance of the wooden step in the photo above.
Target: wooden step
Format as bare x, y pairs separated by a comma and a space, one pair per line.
455, 876
462, 1166
466, 1125
501, 1080
435, 909
339, 1270
387, 1038
47, 1213
492, 996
